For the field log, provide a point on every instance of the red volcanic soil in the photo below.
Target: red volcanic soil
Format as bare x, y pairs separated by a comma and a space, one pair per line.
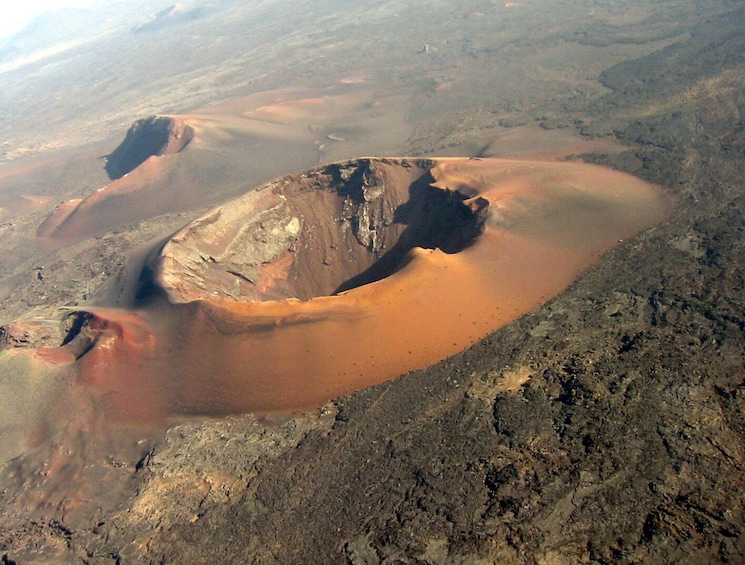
125, 200
170, 164
337, 278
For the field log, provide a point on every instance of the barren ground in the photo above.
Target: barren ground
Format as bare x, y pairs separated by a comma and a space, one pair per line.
605, 426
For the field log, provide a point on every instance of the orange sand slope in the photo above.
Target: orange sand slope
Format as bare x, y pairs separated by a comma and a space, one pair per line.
516, 232
187, 162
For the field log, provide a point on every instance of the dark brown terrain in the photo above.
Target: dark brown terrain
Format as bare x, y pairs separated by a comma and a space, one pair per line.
605, 426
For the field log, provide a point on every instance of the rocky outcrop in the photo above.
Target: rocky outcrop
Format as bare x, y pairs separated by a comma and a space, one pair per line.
30, 333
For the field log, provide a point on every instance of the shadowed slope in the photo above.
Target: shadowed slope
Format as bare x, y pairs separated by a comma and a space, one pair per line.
153, 136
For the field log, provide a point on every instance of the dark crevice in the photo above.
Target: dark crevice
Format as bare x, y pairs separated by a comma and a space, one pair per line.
434, 219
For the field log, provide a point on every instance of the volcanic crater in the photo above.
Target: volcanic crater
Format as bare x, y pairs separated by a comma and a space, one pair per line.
148, 137
318, 233
335, 278
327, 280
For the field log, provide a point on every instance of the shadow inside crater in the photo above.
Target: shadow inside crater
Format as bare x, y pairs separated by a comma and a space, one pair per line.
435, 219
